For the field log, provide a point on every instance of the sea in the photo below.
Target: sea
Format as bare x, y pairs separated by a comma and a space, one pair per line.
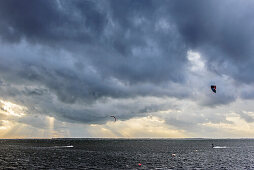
127, 153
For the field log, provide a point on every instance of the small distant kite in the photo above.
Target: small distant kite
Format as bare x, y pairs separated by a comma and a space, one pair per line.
114, 117
213, 87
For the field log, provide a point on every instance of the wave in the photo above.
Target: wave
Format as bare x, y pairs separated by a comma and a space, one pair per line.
223, 147
220, 147
69, 146
53, 147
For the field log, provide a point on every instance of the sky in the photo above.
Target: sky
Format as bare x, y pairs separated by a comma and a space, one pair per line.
67, 66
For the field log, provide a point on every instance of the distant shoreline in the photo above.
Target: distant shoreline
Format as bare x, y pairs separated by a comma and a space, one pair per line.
127, 139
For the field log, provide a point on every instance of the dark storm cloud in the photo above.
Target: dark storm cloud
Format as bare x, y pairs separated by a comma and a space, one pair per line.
50, 21
112, 44
221, 31
85, 52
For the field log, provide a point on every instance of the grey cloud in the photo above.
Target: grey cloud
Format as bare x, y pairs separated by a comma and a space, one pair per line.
218, 99
247, 92
50, 21
133, 53
87, 52
246, 117
34, 91
221, 31
35, 121
194, 122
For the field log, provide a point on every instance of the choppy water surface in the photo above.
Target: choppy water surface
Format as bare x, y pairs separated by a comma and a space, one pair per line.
126, 154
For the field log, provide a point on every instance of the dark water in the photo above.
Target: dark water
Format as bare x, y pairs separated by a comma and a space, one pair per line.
126, 154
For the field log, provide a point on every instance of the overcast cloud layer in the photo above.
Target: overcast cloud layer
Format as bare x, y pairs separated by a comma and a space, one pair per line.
81, 61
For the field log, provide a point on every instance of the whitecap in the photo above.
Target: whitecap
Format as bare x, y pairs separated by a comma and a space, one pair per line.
219, 147
69, 146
